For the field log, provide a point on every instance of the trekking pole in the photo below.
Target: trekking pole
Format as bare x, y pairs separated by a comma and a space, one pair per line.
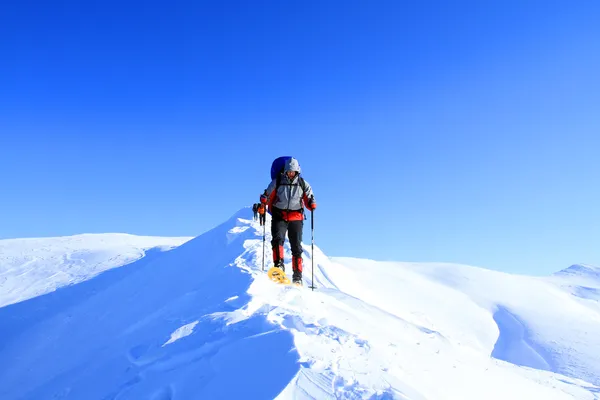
312, 257
264, 233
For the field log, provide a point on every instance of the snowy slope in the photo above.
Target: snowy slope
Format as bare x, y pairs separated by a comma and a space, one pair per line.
528, 321
203, 322
32, 267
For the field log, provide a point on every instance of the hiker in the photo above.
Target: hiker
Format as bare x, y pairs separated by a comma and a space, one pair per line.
285, 197
255, 210
261, 209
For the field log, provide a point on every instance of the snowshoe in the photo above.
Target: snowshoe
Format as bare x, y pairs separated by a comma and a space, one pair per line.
277, 275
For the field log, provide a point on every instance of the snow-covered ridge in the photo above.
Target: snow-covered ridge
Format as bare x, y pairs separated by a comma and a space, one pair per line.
35, 266
203, 321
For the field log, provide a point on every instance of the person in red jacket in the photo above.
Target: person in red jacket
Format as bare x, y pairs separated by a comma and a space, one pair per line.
286, 197
261, 209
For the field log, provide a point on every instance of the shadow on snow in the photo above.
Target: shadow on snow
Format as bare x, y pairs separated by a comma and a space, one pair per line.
106, 338
515, 345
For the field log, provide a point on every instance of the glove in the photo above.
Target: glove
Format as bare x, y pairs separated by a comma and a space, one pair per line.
263, 198
312, 204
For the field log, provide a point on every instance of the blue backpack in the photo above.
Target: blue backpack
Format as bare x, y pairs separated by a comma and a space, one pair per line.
278, 166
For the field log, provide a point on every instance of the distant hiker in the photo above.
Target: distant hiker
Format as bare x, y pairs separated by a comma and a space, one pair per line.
285, 196
261, 213
255, 210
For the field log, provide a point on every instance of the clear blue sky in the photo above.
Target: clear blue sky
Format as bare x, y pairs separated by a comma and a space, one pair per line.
431, 131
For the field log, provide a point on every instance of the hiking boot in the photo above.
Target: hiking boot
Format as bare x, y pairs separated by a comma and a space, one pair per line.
278, 257
297, 278
297, 268
279, 264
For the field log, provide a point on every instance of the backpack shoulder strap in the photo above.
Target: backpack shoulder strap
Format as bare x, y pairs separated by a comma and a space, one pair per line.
302, 184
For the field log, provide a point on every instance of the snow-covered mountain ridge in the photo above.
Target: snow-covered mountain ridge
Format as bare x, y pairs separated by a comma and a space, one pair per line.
202, 321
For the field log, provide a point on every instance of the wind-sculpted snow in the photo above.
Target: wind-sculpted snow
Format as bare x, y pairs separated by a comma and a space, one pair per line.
202, 321
543, 314
514, 344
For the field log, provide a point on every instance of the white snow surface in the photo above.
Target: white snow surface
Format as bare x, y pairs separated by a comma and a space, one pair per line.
35, 266
202, 321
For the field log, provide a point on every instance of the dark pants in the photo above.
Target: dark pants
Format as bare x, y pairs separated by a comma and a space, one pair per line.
294, 230
261, 218
255, 214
